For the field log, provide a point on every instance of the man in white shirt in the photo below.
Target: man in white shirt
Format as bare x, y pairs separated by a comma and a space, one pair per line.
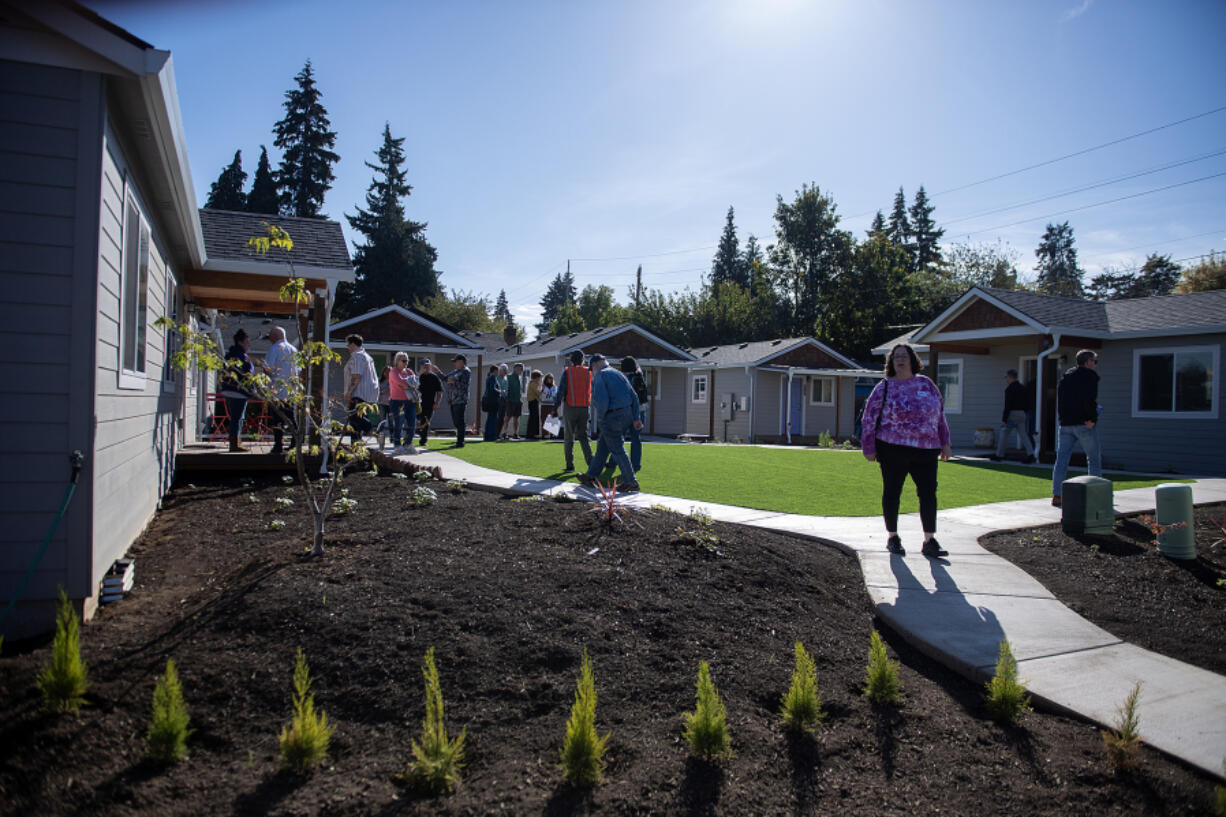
361, 386
281, 366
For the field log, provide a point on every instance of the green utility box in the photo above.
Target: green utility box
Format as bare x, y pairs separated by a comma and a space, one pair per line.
1174, 513
1088, 506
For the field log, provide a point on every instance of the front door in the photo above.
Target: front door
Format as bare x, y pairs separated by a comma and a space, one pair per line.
1047, 424
797, 408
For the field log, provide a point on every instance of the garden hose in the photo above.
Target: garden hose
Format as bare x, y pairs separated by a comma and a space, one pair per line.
77, 460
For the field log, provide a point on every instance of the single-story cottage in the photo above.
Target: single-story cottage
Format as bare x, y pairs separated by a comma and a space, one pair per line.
1159, 362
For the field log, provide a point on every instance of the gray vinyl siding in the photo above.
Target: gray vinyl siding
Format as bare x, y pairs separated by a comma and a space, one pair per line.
983, 391
698, 415
669, 409
1187, 446
734, 383
136, 429
768, 386
50, 140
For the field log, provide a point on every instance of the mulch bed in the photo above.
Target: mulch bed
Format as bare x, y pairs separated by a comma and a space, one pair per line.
509, 593
1124, 585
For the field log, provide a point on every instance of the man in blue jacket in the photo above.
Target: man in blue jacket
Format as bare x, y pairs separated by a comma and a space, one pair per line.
1077, 405
616, 407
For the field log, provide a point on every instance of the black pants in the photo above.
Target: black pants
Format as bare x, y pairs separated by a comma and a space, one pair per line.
534, 419
896, 462
458, 411
423, 419
358, 423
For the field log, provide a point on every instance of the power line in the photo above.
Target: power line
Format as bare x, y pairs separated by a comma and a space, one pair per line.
644, 255
1152, 244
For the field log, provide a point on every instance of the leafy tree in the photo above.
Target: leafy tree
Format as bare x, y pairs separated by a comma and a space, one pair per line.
728, 265
1057, 262
809, 255
227, 192
396, 264
1209, 274
568, 320
263, 197
306, 143
561, 291
924, 229
873, 294
460, 310
597, 307
985, 265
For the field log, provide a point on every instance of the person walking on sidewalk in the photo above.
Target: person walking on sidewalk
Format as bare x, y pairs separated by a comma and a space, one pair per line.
617, 408
1077, 405
1014, 418
361, 386
575, 393
630, 368
431, 389
457, 385
904, 432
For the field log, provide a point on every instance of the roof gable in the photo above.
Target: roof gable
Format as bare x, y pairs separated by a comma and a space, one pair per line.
394, 324
803, 352
613, 341
318, 242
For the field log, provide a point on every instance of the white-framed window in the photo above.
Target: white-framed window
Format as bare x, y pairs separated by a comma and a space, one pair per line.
170, 345
1176, 382
698, 389
821, 391
134, 306
949, 381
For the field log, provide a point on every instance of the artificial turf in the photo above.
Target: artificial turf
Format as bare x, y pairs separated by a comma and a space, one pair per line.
791, 480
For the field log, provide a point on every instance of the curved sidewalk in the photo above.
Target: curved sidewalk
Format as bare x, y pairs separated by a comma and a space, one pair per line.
958, 610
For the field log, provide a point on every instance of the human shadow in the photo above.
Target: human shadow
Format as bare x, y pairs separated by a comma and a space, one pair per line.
805, 758
700, 788
941, 622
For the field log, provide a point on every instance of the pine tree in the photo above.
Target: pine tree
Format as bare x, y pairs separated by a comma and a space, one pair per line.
899, 228
752, 261
227, 192
396, 264
263, 197
1057, 264
502, 310
306, 143
1158, 276
727, 264
925, 232
561, 291
878, 225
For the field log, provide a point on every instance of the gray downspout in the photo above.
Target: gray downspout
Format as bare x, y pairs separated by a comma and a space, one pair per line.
753, 398
1038, 391
788, 410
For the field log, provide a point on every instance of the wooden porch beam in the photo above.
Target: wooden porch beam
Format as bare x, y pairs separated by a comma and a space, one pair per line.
214, 279
272, 307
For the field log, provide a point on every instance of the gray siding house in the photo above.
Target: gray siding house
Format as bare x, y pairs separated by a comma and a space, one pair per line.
99, 237
1159, 362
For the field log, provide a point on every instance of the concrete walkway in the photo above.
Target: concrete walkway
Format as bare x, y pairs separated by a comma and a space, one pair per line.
958, 609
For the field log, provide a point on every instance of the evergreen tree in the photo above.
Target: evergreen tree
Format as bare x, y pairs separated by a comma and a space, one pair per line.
752, 261
878, 225
396, 264
561, 291
727, 264
263, 197
873, 294
227, 192
1158, 276
1057, 262
306, 144
502, 310
899, 228
925, 233
809, 255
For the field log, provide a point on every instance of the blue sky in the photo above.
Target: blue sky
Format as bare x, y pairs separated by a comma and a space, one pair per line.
621, 132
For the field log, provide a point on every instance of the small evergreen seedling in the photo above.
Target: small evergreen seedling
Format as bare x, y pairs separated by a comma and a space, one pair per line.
304, 742
706, 728
1006, 696
582, 750
167, 738
437, 760
63, 681
1124, 742
801, 706
881, 682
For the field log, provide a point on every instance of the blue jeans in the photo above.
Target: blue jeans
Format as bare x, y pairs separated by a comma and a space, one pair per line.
1070, 435
611, 442
492, 421
636, 441
1016, 422
404, 420
236, 407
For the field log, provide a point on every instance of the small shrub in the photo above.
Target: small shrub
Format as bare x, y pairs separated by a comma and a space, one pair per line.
847, 446
824, 440
1006, 695
276, 524
287, 479
437, 760
423, 497
582, 750
422, 475
529, 498
457, 486
64, 680
881, 681
399, 475
283, 502
801, 705
1124, 742
1158, 529
252, 498
562, 498
344, 505
609, 509
700, 532
304, 742
706, 728
168, 732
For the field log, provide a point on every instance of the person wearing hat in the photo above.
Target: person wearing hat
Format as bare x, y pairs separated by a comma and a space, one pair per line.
431, 388
616, 407
1013, 418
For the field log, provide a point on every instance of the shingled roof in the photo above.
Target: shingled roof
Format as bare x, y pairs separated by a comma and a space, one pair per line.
318, 242
1183, 312
743, 354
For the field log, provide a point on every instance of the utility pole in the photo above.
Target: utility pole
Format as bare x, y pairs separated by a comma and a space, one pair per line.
638, 288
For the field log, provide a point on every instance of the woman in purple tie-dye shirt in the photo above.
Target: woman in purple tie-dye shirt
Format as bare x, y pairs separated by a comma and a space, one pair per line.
904, 431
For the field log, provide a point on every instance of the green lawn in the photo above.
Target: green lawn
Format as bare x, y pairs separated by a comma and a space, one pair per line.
808, 481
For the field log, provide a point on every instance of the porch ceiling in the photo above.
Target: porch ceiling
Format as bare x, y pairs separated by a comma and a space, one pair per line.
242, 291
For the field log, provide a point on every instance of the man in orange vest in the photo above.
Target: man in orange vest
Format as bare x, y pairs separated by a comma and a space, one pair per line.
575, 394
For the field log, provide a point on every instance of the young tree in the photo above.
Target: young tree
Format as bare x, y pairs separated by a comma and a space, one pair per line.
728, 264
263, 197
752, 261
924, 229
227, 192
306, 142
561, 291
396, 264
1209, 273
809, 255
1057, 262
